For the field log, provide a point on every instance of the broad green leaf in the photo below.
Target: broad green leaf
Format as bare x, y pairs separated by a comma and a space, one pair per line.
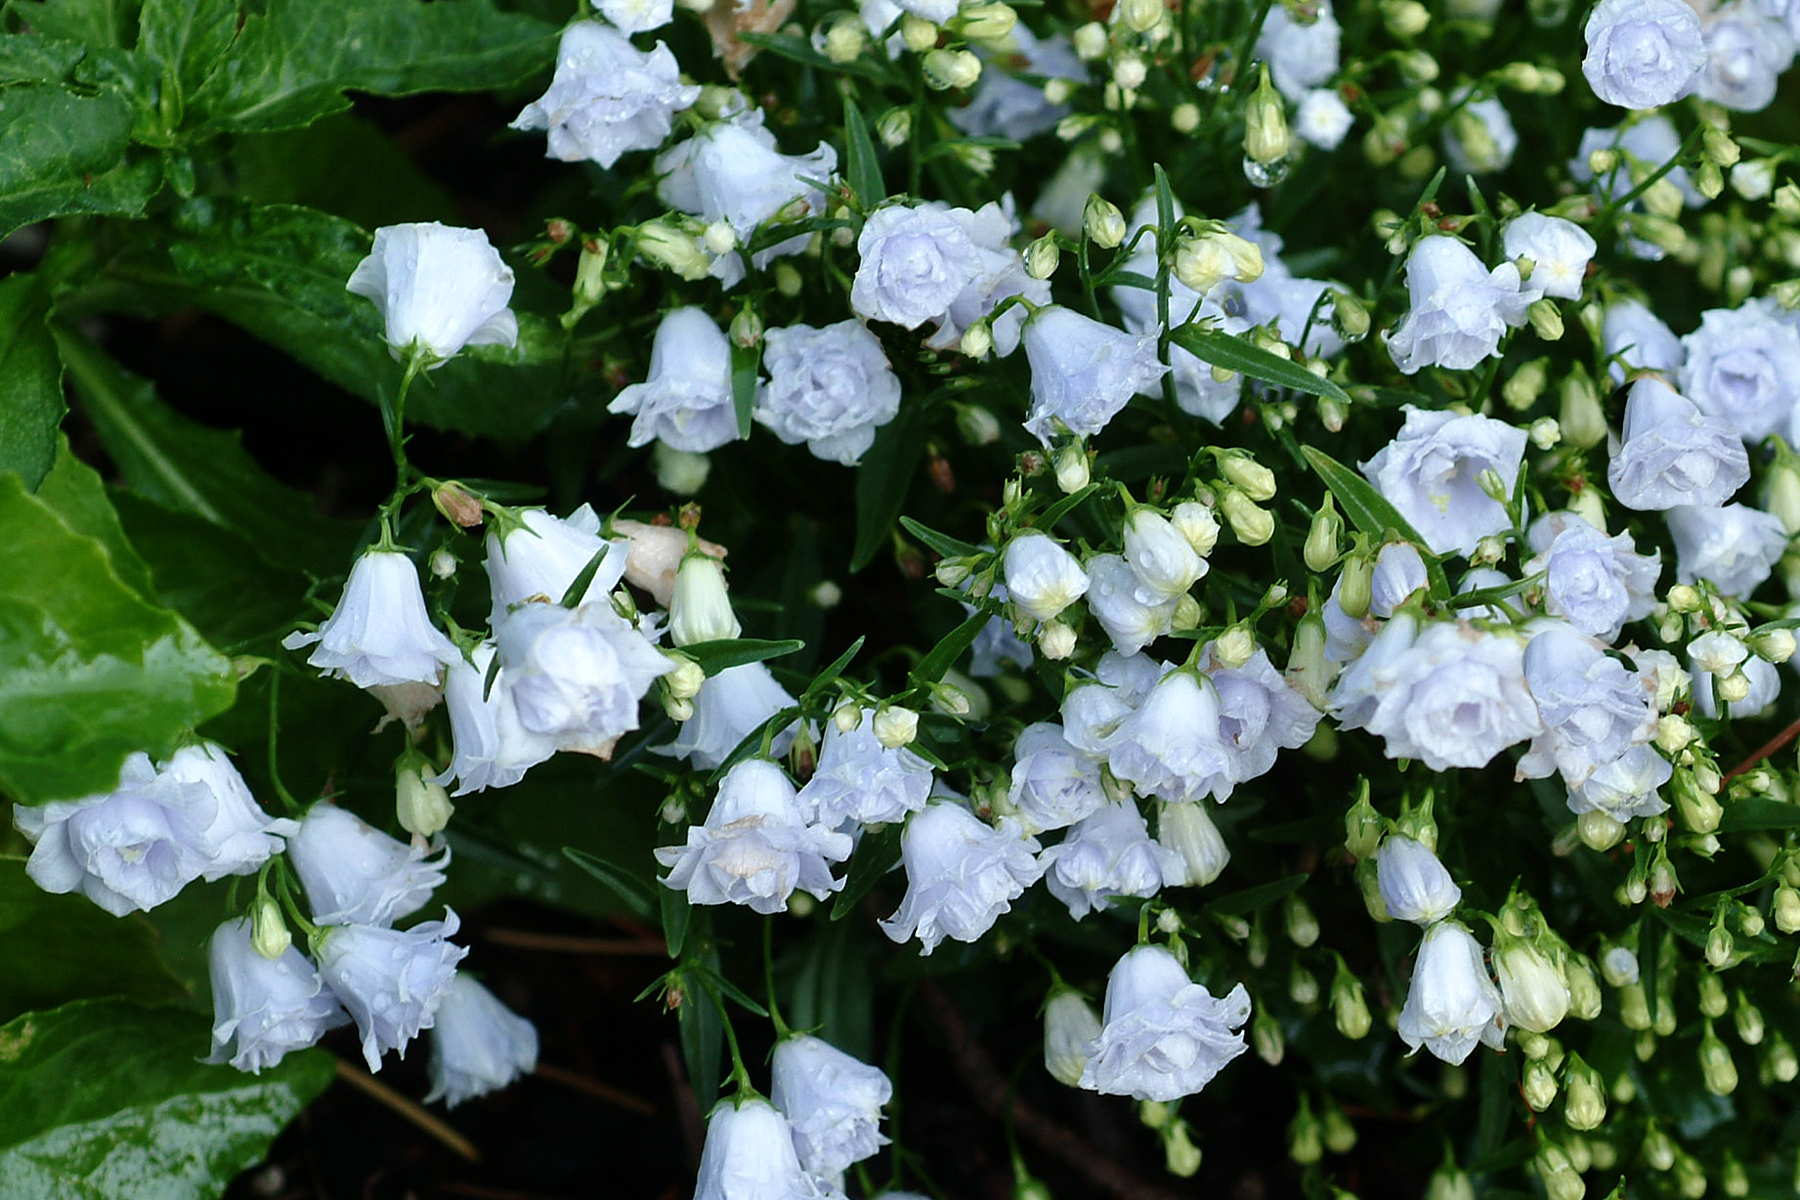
342, 165
833, 990
28, 58
882, 480
1238, 904
73, 489
1371, 513
714, 657
861, 168
76, 950
92, 23
639, 896
1754, 812
702, 1035
187, 467
188, 37
147, 1120
279, 272
295, 59
31, 398
65, 154
89, 670
1238, 354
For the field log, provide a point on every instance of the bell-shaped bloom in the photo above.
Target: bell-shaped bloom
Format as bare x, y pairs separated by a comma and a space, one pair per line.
686, 401
1593, 709
700, 605
1070, 1026
1301, 53
731, 172
439, 289
1452, 1004
1399, 572
543, 555
1199, 848
1164, 561
240, 837
380, 633
1053, 784
831, 1100
1594, 582
1163, 1036
1414, 884
1460, 310
914, 263
1672, 453
391, 980
1642, 53
1639, 340
756, 847
961, 874
1368, 681
1083, 372
263, 1008
1625, 787
1112, 598
1559, 251
1765, 688
749, 1155
1002, 274
127, 850
1042, 578
727, 709
355, 874
492, 748
1735, 546
1743, 366
1106, 854
1455, 697
477, 1045
859, 780
577, 674
831, 388
1532, 990
1431, 472
1171, 746
1260, 715
1747, 49
607, 96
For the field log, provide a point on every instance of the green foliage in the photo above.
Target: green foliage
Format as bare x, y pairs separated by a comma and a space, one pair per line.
31, 401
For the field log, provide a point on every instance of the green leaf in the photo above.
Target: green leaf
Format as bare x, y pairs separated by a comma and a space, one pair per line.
31, 397
27, 58
828, 676
295, 59
188, 37
584, 578
677, 914
1754, 812
702, 1037
1238, 904
834, 989
1371, 513
640, 897
187, 467
76, 950
66, 154
89, 670
279, 272
1246, 358
714, 657
876, 854
861, 168
342, 165
73, 489
943, 656
147, 1119
942, 543
882, 480
92, 23
744, 363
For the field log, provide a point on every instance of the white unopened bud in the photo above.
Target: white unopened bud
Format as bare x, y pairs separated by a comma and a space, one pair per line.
442, 564
1235, 647
679, 471
948, 70
1208, 259
700, 608
421, 806
1103, 222
269, 935
1252, 525
1041, 257
896, 726
1139, 16
1197, 524
1072, 468
1265, 124
1070, 1025
977, 340
1190, 833
684, 681
1256, 480
1089, 41
1056, 641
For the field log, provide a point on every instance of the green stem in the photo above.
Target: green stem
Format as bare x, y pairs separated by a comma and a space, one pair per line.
768, 951
287, 798
740, 1074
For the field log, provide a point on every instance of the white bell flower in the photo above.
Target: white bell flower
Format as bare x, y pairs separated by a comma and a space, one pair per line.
477, 1045
1560, 251
1083, 372
636, 16
1625, 787
607, 96
1163, 1036
1593, 709
1042, 578
543, 556
1163, 560
391, 981
1431, 474
241, 836
1112, 599
1199, 847
380, 633
1673, 454
1070, 1026
439, 289
961, 874
1053, 784
1747, 50
1642, 53
1743, 366
749, 1155
1106, 854
686, 401
832, 1101
1171, 746
861, 781
755, 847
700, 606
1301, 53
831, 388
914, 263
1594, 582
1734, 546
1459, 309
491, 747
1414, 884
1452, 1003
577, 674
1260, 714
263, 1008
727, 708
1640, 341
354, 874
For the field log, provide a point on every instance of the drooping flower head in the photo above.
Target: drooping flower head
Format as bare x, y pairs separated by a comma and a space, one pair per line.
686, 401
1106, 854
859, 780
961, 874
1460, 310
1163, 1036
577, 674
439, 289
241, 836
263, 1008
728, 707
1414, 884
1054, 785
1594, 582
1431, 472
543, 555
1083, 372
477, 1044
379, 634
607, 97
492, 747
355, 874
392, 981
749, 1155
1673, 454
832, 1101
1452, 1003
1642, 53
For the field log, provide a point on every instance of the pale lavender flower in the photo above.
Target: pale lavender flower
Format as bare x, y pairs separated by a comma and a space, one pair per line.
1106, 854
860, 781
727, 708
542, 555
1743, 366
380, 633
831, 388
607, 97
1559, 251
477, 1045
1672, 454
1301, 53
263, 1008
1642, 53
1042, 578
1083, 372
1172, 746
1639, 340
1735, 546
439, 289
1593, 709
1431, 473
1452, 1003
1112, 599
1414, 884
1162, 1035
1053, 784
915, 262
749, 1155
241, 836
1455, 697
491, 747
685, 403
355, 874
1459, 309
961, 874
1746, 52
831, 1099
1594, 582
392, 981
577, 674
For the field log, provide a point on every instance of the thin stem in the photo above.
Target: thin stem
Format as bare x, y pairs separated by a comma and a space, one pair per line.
287, 798
768, 951
740, 1074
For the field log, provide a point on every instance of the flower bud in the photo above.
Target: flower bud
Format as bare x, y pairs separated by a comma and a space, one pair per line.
1308, 669
700, 608
1538, 1085
1349, 1008
1186, 829
1265, 124
1787, 909
1139, 16
1195, 522
948, 70
1546, 319
1302, 925
669, 246
1362, 825
1561, 1180
1101, 219
1584, 988
1599, 831
457, 504
977, 340
1783, 1064
1773, 645
1535, 996
1405, 18
1250, 476
1662, 883
1235, 647
977, 425
1748, 1020
1070, 1024
1072, 468
1041, 257
1584, 1103
986, 22
896, 726
1713, 1002
1267, 1038
1252, 525
1322, 535
1306, 1143
1450, 1182
1056, 641
422, 807
1716, 1067
1204, 261
1526, 384
1180, 1156
1089, 41
269, 935
1634, 1006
